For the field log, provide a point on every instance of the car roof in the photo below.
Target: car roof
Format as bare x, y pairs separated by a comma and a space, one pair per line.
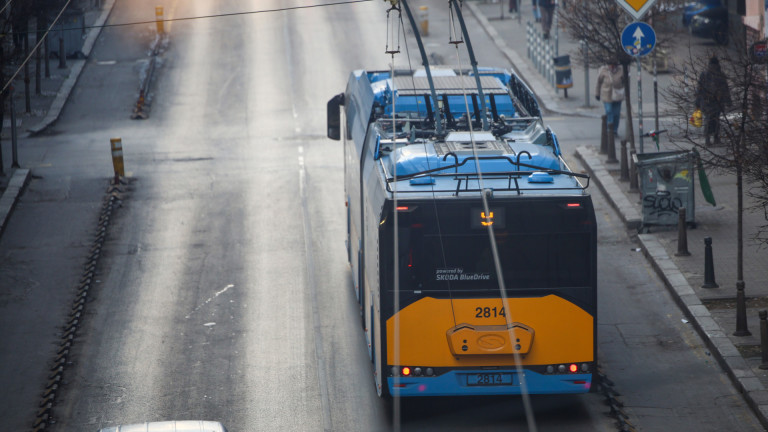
169, 426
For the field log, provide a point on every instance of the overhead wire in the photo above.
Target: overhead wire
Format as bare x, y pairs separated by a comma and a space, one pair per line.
395, 222
437, 118
8, 3
530, 419
32, 51
50, 27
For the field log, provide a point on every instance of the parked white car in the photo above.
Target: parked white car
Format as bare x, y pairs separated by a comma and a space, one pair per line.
169, 426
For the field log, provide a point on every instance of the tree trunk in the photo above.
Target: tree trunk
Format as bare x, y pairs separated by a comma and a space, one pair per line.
629, 128
739, 223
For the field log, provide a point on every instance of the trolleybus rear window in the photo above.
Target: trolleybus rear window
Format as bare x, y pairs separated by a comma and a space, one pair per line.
540, 245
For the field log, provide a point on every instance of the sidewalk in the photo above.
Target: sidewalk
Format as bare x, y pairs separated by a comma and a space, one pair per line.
710, 310
45, 107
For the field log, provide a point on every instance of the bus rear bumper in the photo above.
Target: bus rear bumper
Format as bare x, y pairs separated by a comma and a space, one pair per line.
456, 383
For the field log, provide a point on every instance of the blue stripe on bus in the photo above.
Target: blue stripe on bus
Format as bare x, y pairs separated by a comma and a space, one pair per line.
455, 384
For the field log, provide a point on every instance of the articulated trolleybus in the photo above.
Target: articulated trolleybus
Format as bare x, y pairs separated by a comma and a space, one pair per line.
430, 184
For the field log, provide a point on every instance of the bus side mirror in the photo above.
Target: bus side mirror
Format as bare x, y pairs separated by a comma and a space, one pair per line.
334, 116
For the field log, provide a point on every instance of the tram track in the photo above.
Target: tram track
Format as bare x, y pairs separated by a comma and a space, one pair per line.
63, 359
607, 389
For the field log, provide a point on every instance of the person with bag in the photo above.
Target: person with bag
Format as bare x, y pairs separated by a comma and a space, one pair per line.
610, 90
713, 97
536, 11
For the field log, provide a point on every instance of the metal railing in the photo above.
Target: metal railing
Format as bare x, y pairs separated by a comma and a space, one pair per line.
540, 51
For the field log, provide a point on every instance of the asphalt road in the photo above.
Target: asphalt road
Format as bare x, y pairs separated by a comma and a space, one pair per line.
223, 290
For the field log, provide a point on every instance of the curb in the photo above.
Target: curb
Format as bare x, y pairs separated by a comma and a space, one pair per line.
11, 195
77, 67
723, 350
618, 200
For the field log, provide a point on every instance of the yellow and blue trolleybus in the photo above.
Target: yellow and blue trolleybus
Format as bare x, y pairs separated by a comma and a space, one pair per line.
472, 244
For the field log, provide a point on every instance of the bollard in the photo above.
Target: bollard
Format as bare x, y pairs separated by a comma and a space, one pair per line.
604, 136
682, 234
741, 311
611, 147
709, 266
424, 20
159, 20
62, 55
117, 158
14, 134
763, 338
528, 39
624, 176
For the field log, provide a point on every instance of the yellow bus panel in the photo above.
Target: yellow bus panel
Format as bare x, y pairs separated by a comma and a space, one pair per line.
474, 332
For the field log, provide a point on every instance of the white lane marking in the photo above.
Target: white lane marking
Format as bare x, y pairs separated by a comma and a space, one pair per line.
218, 293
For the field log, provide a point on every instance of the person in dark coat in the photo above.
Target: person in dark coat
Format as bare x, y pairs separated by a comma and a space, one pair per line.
547, 9
713, 97
513, 7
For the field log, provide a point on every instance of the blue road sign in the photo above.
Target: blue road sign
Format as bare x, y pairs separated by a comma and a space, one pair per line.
638, 39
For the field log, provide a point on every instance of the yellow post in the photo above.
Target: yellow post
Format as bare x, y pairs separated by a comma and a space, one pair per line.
117, 157
159, 19
424, 20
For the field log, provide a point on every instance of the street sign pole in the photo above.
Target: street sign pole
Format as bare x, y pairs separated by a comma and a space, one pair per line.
633, 39
638, 39
640, 103
655, 101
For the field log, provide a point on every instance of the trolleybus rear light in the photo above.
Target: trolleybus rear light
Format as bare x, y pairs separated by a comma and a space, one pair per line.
584, 367
561, 368
406, 209
412, 371
550, 369
573, 368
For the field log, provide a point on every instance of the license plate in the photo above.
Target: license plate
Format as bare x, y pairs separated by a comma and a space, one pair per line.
489, 379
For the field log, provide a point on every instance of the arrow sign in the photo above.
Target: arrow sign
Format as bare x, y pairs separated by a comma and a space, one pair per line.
638, 39
636, 8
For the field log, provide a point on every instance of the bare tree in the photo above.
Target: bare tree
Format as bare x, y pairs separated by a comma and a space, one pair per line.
599, 24
738, 120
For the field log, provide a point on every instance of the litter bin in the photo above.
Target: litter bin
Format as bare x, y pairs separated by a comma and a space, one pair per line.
666, 185
563, 77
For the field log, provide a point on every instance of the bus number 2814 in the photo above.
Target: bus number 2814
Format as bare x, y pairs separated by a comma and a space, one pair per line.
489, 312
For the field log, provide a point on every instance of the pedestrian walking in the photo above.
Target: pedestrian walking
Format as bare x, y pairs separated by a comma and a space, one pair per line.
610, 90
713, 97
547, 9
513, 7
536, 11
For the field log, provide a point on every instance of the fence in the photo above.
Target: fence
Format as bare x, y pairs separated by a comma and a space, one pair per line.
540, 51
